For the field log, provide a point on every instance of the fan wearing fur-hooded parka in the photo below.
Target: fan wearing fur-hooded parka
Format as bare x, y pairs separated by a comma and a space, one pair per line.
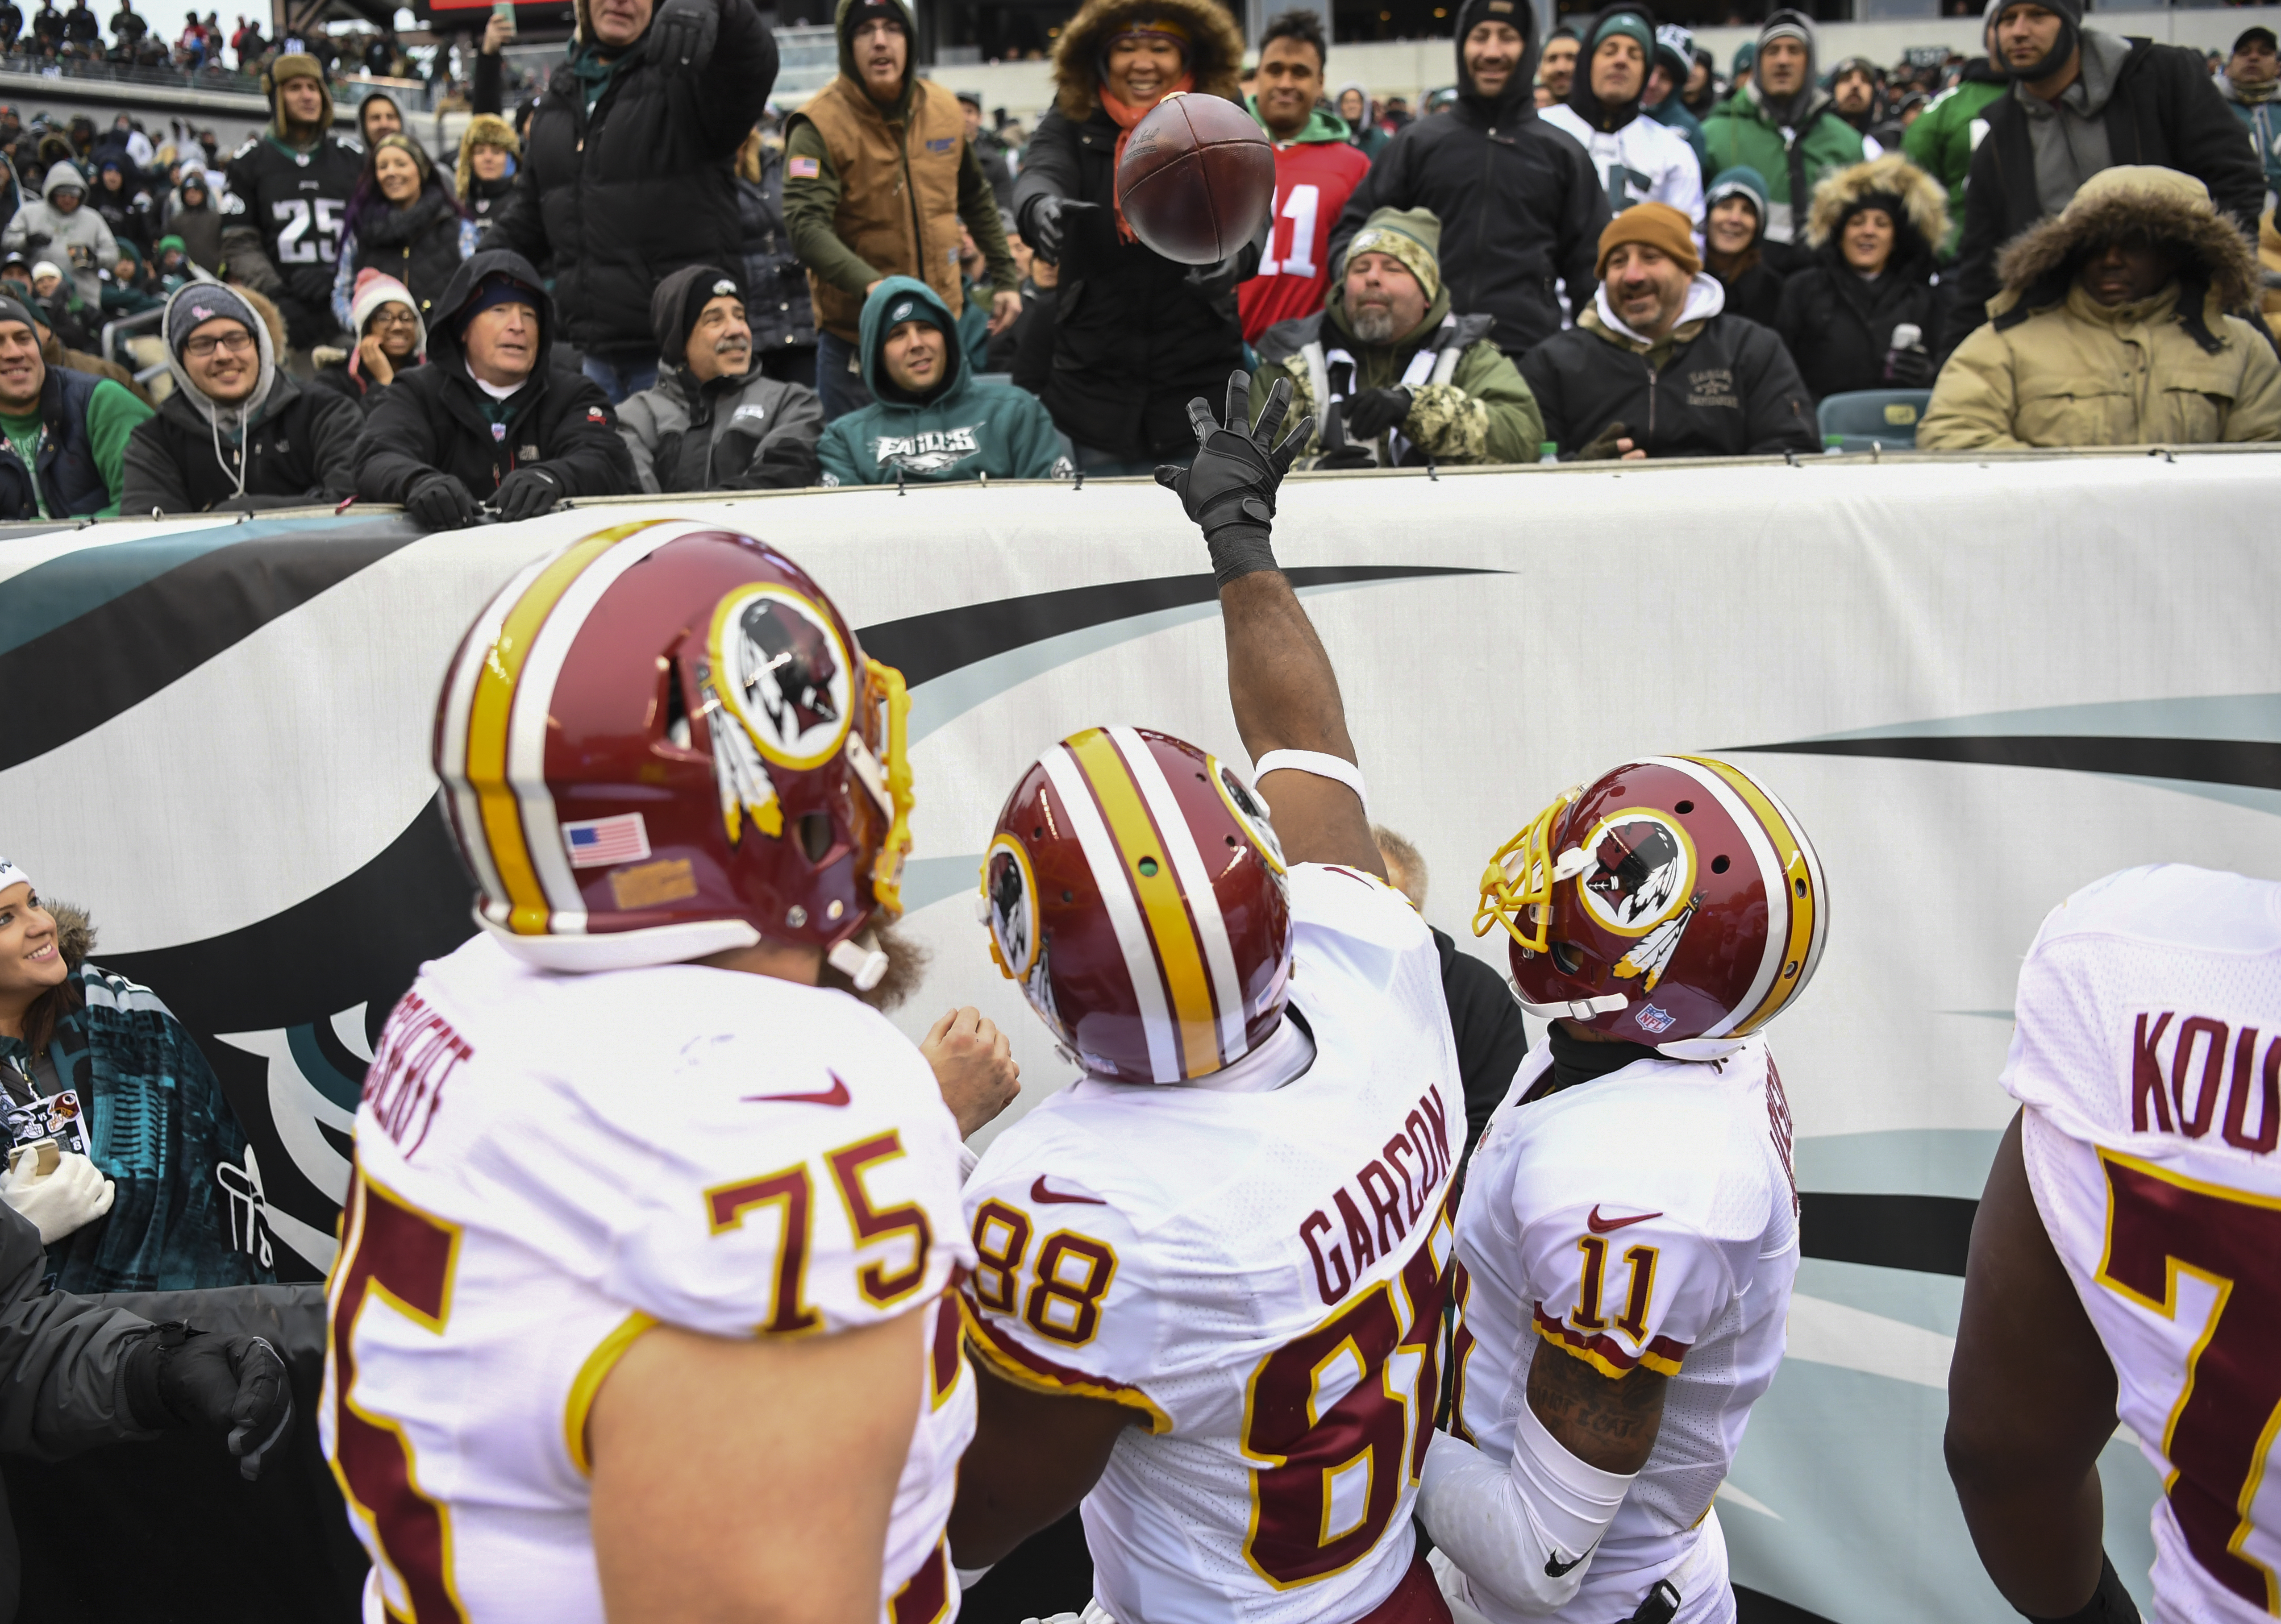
1136, 336
1838, 317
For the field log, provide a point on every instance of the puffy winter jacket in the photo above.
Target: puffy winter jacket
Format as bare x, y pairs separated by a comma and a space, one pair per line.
433, 418
775, 288
968, 430
2055, 368
2162, 111
620, 196
1521, 205
1717, 386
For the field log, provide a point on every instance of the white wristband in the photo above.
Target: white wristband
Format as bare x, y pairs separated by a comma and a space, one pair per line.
1317, 763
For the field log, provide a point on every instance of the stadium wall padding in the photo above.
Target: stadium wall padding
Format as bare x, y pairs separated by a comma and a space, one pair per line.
1979, 684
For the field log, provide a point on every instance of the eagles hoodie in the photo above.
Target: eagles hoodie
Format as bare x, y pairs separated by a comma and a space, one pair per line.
963, 429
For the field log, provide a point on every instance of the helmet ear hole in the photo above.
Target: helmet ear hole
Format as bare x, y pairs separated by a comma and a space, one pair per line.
677, 706
815, 835
1567, 958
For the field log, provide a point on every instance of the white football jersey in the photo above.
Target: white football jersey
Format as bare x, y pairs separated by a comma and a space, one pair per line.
2147, 1051
1643, 162
1647, 1217
549, 1164
1259, 1275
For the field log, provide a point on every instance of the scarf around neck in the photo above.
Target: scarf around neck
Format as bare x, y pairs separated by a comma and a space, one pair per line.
1127, 117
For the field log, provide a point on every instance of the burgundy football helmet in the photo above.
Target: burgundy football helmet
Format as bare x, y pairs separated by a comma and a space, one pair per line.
1135, 890
663, 741
1674, 901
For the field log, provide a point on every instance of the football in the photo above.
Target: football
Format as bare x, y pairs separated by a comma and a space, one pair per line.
1197, 178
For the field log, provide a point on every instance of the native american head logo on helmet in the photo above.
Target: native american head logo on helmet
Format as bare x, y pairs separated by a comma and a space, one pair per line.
1640, 868
789, 668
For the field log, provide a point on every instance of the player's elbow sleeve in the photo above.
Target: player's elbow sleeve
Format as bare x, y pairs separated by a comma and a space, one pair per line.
1525, 1533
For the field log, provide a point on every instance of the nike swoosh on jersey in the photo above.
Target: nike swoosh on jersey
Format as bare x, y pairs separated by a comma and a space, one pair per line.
1045, 1197
836, 1094
1554, 1567
1599, 1225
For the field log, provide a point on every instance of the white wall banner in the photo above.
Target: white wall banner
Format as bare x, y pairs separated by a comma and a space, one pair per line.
1979, 684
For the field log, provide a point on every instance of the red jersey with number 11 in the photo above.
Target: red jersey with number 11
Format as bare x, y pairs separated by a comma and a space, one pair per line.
1313, 180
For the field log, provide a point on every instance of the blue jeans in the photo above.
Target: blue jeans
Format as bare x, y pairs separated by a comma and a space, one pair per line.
619, 379
837, 384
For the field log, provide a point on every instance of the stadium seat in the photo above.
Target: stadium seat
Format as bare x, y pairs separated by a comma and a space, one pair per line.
1874, 419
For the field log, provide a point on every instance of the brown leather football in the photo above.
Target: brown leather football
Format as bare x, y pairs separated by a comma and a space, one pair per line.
1197, 178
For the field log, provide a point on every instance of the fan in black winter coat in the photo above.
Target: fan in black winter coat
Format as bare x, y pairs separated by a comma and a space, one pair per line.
555, 437
1836, 318
1753, 285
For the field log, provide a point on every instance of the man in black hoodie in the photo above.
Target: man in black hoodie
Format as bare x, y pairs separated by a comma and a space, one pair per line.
1521, 203
488, 419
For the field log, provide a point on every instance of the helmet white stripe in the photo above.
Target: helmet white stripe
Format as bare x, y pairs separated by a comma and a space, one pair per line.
1195, 884
534, 698
1762, 853
1812, 957
1124, 908
467, 805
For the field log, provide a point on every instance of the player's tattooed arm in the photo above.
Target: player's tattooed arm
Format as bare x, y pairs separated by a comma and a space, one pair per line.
1286, 697
1033, 1458
1602, 1421
2030, 1405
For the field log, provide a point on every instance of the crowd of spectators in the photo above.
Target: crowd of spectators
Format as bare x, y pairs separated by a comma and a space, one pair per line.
645, 275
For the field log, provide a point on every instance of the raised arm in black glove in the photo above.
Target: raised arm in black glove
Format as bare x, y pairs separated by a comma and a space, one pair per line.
1229, 489
683, 32
526, 493
440, 502
232, 1387
1374, 410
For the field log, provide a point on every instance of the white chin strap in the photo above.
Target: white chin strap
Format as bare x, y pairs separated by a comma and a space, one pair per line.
1581, 1009
864, 966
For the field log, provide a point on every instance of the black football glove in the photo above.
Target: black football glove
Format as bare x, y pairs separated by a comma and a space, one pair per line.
440, 502
683, 33
1229, 489
526, 493
1044, 223
1911, 368
232, 1387
1374, 410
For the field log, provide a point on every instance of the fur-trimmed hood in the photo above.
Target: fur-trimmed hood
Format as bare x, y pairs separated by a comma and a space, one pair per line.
1215, 49
485, 129
2170, 209
74, 933
1923, 199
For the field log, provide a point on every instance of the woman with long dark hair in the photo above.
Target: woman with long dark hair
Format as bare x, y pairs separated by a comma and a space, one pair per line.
150, 1185
1874, 229
404, 222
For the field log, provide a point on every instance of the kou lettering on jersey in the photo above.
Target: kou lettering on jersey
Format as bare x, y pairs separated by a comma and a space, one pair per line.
2147, 1050
1344, 1252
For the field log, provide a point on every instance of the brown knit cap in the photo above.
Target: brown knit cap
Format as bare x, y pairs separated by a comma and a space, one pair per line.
1658, 225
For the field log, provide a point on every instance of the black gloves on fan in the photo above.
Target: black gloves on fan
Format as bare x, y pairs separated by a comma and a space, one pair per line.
1911, 368
234, 1388
1229, 489
1043, 225
526, 493
683, 32
440, 502
1374, 410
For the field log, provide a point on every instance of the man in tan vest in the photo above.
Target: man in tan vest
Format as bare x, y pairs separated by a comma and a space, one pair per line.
878, 173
